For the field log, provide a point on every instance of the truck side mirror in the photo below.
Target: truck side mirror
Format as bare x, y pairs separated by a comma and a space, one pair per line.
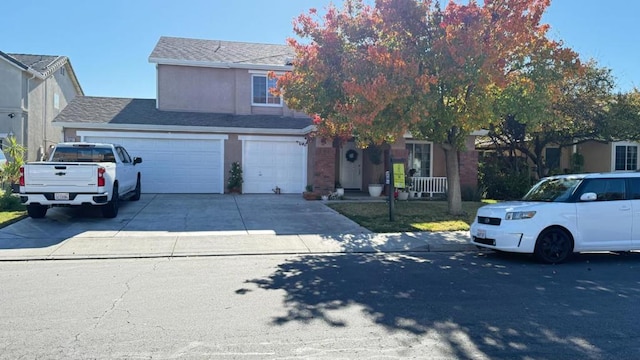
137, 160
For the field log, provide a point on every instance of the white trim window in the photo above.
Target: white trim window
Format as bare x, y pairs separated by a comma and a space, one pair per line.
420, 158
260, 91
625, 156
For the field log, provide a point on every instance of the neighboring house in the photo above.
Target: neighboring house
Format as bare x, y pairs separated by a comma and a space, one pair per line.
608, 156
594, 156
33, 90
214, 107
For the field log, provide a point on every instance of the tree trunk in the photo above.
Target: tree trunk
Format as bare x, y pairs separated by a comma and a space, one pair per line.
454, 198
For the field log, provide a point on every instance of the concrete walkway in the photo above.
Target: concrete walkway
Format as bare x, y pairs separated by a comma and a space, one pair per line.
161, 225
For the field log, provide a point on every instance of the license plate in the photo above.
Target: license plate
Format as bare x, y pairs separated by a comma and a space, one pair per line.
481, 234
61, 196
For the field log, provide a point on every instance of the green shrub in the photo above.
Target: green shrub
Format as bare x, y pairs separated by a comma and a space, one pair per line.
9, 202
504, 178
472, 193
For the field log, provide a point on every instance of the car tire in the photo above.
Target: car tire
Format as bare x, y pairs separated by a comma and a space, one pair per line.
110, 210
37, 211
553, 246
137, 191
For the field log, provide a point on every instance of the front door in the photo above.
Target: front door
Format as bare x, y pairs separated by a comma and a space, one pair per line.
350, 166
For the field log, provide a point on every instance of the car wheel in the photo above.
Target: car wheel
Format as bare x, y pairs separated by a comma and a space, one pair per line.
553, 246
136, 192
37, 211
110, 210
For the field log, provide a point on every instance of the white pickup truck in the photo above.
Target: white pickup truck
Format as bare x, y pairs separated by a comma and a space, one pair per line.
80, 174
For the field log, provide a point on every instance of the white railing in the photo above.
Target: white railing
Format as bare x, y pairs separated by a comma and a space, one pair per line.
429, 185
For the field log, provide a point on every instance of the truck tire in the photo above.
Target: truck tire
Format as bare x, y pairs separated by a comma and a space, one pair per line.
37, 211
136, 192
110, 210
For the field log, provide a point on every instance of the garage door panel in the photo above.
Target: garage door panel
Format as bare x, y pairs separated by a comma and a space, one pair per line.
175, 165
268, 164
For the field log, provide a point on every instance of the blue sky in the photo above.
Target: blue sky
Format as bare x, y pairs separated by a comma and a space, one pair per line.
109, 42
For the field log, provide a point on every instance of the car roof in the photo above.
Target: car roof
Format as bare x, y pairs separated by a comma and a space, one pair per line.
602, 175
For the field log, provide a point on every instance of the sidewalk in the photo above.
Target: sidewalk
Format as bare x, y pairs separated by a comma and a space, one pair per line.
148, 244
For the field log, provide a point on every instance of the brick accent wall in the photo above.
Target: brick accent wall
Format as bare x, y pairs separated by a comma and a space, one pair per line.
324, 170
469, 168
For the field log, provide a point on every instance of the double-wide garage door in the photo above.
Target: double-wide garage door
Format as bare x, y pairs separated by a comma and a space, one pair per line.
173, 163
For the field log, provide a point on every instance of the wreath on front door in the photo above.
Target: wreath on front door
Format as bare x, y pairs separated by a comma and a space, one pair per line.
351, 155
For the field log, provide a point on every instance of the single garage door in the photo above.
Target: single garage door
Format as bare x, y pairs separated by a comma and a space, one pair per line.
270, 162
173, 163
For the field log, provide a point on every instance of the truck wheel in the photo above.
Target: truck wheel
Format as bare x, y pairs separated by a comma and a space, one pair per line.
111, 209
136, 192
37, 211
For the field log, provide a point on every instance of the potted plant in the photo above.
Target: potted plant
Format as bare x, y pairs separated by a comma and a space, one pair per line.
339, 189
11, 169
308, 194
234, 185
375, 189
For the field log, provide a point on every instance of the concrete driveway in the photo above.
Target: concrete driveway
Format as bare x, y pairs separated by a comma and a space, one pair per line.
162, 225
167, 214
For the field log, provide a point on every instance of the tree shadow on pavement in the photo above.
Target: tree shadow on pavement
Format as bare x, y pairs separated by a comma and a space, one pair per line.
479, 305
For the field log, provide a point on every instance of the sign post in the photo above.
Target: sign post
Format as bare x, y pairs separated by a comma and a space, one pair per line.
394, 180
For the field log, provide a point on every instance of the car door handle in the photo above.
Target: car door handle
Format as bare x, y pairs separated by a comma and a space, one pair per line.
625, 208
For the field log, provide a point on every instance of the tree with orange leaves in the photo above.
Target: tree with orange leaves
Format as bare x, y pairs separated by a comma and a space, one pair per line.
375, 72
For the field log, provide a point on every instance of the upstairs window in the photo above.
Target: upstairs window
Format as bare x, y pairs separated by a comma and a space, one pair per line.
260, 91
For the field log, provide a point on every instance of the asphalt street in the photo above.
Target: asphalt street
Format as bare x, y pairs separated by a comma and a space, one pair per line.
402, 305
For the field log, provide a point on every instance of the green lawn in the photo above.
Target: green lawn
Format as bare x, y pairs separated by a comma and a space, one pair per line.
9, 217
409, 215
11, 210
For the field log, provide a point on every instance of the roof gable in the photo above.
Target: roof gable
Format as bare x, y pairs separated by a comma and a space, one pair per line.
42, 66
218, 53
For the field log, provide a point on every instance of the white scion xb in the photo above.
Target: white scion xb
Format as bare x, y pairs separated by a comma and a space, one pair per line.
564, 214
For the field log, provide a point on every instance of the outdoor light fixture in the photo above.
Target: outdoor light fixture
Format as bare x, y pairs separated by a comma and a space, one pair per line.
11, 115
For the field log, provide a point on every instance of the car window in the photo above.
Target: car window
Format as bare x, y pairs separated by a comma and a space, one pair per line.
124, 156
635, 188
553, 189
605, 189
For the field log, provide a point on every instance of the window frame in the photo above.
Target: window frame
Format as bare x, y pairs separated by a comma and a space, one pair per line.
614, 155
413, 143
269, 95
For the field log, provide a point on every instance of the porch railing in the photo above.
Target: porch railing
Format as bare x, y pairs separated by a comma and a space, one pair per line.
429, 185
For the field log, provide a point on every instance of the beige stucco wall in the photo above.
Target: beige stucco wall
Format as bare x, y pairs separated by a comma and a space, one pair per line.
12, 92
31, 100
42, 110
201, 89
597, 156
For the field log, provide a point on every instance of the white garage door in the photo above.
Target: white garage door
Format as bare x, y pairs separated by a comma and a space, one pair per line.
174, 163
273, 161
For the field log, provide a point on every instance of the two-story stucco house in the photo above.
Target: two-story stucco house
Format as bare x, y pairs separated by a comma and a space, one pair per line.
33, 90
214, 107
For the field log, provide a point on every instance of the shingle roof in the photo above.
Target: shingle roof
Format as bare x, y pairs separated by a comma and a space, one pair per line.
89, 110
173, 49
43, 64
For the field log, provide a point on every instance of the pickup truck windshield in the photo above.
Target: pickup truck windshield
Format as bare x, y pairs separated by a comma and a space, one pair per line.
553, 189
83, 154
